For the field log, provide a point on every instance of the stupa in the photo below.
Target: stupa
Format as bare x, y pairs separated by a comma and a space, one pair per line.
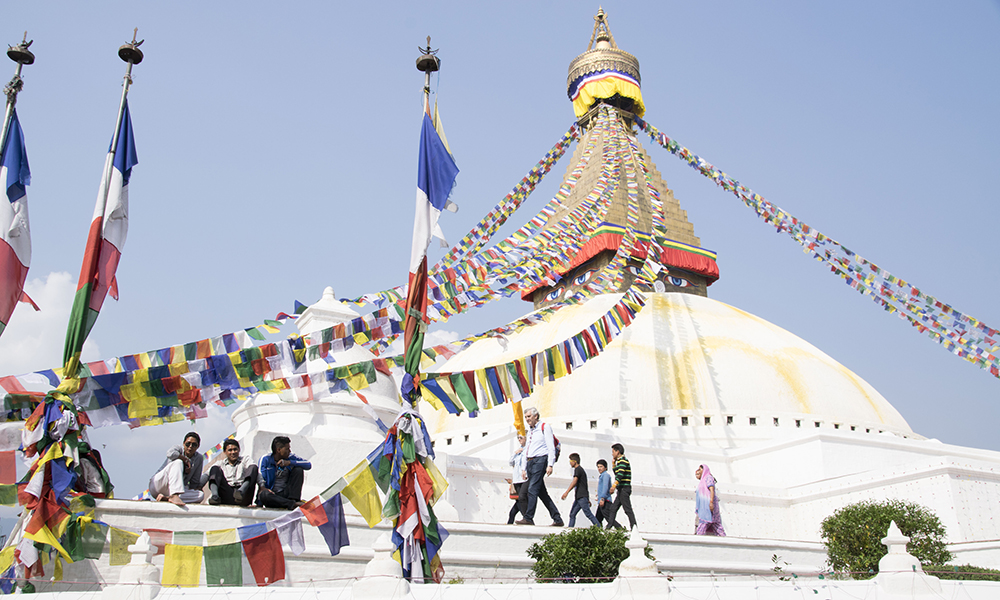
791, 434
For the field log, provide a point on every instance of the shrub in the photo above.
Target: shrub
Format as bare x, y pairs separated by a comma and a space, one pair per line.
962, 572
853, 535
579, 555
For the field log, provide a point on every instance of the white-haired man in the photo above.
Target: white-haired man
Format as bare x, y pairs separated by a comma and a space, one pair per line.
540, 450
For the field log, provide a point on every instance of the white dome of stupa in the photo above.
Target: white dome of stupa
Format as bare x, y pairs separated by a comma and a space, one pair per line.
686, 362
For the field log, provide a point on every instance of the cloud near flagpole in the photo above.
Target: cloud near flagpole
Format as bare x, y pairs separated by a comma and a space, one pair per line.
34, 340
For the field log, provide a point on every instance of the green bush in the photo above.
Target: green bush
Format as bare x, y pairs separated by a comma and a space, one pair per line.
962, 572
579, 555
853, 536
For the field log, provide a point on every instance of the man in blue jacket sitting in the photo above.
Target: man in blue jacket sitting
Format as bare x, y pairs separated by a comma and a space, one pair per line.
281, 476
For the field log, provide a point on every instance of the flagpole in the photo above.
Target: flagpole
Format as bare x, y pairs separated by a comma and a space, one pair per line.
22, 56
130, 53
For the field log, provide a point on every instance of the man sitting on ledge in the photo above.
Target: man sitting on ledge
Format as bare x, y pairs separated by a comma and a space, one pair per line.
178, 480
281, 476
232, 482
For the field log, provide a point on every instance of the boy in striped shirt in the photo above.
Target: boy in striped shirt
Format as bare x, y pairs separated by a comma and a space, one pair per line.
623, 484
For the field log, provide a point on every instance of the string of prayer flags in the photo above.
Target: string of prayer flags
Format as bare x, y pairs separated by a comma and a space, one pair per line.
961, 334
491, 386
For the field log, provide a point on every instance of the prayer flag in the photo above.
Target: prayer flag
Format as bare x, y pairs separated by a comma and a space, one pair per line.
224, 564
334, 530
15, 237
120, 541
182, 565
362, 493
8, 467
267, 560
105, 242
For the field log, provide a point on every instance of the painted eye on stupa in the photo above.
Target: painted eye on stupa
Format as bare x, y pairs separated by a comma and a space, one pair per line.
633, 270
680, 282
583, 278
553, 295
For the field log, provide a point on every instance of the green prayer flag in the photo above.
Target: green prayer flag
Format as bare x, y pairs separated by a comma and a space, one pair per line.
8, 494
465, 394
224, 565
255, 333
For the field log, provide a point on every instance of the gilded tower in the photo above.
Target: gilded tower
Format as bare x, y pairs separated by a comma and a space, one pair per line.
614, 181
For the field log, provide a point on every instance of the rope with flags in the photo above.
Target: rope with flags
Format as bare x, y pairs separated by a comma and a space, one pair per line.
963, 335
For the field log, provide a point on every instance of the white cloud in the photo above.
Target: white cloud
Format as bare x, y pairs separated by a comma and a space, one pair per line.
33, 340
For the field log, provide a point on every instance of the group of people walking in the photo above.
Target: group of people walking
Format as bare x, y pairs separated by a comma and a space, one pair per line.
276, 479
535, 457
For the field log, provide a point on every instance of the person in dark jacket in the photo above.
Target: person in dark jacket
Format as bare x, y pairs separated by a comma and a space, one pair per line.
281, 474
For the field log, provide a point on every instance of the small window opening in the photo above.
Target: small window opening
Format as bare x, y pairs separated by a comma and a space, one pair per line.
448, 442
708, 420
569, 426
593, 424
661, 421
614, 422
638, 421
753, 420
729, 419
775, 421
798, 422
684, 421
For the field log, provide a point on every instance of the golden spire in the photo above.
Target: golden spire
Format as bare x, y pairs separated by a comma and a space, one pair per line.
602, 33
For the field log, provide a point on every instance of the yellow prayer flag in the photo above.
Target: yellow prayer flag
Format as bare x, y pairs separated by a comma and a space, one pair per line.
142, 407
362, 493
360, 338
57, 570
431, 399
221, 537
235, 358
6, 558
45, 536
182, 565
437, 478
120, 541
357, 382
179, 368
53, 452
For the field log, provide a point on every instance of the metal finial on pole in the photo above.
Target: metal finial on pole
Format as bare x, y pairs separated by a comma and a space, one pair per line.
428, 62
22, 56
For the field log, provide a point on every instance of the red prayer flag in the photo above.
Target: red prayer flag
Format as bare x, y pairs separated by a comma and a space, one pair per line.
314, 512
8, 468
267, 560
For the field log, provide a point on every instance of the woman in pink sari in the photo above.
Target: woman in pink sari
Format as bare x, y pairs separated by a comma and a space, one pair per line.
707, 504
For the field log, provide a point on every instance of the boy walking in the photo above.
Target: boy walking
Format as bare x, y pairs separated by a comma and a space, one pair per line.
582, 497
622, 483
603, 492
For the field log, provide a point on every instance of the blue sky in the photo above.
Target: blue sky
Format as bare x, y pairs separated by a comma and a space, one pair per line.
277, 155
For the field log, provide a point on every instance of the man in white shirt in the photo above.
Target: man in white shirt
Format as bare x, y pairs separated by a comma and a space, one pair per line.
540, 450
234, 480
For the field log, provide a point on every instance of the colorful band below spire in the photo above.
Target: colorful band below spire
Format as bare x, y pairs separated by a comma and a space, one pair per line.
604, 84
